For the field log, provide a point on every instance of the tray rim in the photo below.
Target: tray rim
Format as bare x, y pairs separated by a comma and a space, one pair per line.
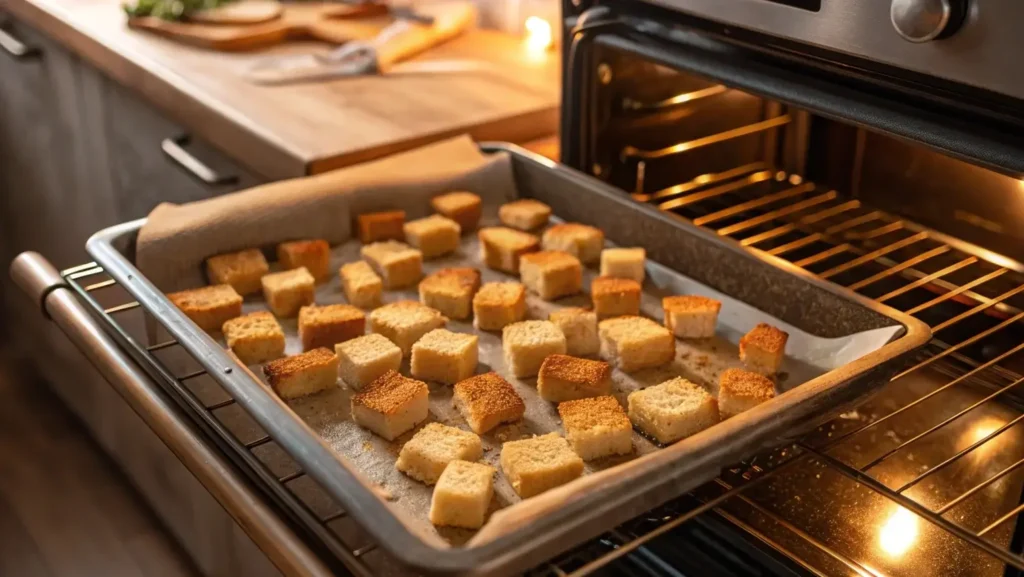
508, 552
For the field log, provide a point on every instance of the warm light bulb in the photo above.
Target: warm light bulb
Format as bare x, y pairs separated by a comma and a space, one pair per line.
538, 34
898, 533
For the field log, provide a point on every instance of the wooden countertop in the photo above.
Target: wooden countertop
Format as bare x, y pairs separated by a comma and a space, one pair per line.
287, 131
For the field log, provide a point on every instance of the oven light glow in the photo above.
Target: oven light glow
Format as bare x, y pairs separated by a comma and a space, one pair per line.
899, 533
538, 34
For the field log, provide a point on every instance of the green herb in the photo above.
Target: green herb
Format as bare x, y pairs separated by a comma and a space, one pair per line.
169, 9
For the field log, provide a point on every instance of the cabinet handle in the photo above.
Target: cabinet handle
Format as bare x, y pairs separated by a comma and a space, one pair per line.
17, 49
174, 149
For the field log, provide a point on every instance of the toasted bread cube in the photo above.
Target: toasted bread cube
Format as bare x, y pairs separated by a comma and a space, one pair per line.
429, 451
363, 359
209, 307
528, 343
551, 274
535, 465
315, 255
451, 290
288, 291
462, 495
596, 427
615, 297
362, 286
524, 214
763, 348
463, 207
405, 322
242, 270
580, 329
635, 343
564, 378
624, 263
582, 241
398, 264
303, 374
691, 316
255, 338
434, 235
326, 326
486, 401
391, 405
501, 248
498, 304
739, 390
672, 410
444, 356
378, 226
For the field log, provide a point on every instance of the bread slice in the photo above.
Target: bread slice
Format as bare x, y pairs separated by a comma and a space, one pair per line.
635, 343
463, 207
462, 495
551, 274
763, 348
486, 401
255, 338
288, 291
451, 290
429, 451
398, 264
691, 316
527, 343
624, 263
501, 248
444, 356
378, 226
498, 304
303, 374
404, 322
209, 307
315, 255
672, 410
362, 360
740, 390
615, 297
391, 405
363, 288
596, 427
242, 270
582, 241
538, 464
580, 329
564, 378
524, 214
434, 235
326, 326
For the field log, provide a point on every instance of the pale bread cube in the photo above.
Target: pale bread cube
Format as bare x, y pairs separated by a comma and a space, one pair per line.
302, 374
209, 307
434, 235
463, 207
615, 297
624, 263
524, 214
499, 304
763, 348
450, 291
326, 326
255, 338
444, 356
242, 270
538, 464
462, 495
635, 343
486, 401
315, 255
740, 390
404, 322
378, 226
527, 343
551, 274
398, 264
564, 378
501, 248
429, 451
596, 427
580, 240
362, 360
672, 410
391, 405
691, 316
288, 291
580, 329
363, 288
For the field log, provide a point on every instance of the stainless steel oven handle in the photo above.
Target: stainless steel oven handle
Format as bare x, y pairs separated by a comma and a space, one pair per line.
37, 277
174, 148
17, 49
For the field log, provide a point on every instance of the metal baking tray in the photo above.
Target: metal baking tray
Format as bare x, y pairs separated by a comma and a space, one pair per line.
547, 525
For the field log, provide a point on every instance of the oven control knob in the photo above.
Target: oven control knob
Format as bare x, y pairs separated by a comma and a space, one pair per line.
927, 20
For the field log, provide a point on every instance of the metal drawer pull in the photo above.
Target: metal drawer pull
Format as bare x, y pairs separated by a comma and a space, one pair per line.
174, 149
16, 48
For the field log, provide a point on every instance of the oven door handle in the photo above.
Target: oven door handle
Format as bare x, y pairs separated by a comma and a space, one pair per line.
37, 277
